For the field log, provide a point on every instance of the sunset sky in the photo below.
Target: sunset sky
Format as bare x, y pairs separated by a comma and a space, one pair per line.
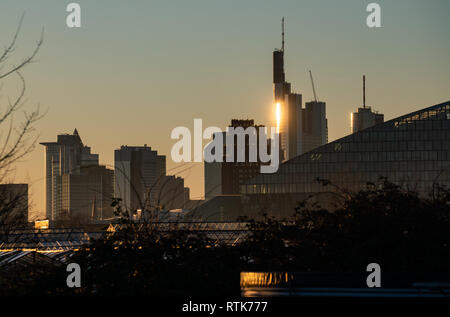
137, 69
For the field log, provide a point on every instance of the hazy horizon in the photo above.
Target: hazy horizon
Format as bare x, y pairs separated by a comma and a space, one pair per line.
134, 71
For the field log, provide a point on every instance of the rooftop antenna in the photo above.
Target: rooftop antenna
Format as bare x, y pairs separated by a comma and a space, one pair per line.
312, 83
364, 91
282, 34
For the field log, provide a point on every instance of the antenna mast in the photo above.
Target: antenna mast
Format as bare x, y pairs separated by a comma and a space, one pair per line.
312, 84
364, 91
282, 34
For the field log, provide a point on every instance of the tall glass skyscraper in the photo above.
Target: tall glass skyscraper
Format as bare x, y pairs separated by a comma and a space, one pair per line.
301, 129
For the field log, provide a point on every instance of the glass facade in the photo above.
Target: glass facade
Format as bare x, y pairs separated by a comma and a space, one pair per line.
412, 150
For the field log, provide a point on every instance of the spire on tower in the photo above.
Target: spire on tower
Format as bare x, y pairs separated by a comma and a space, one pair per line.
364, 91
278, 60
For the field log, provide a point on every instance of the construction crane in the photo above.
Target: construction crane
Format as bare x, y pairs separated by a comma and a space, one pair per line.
312, 84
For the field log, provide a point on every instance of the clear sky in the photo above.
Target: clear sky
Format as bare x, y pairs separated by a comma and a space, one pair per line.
137, 69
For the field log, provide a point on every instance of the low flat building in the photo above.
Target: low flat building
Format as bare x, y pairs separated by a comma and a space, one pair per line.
218, 209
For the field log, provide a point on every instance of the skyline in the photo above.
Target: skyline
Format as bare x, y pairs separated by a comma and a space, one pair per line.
159, 77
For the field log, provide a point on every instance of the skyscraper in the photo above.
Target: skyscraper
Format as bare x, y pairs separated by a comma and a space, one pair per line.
365, 117
315, 126
294, 123
65, 156
224, 178
301, 129
137, 171
281, 89
87, 196
170, 193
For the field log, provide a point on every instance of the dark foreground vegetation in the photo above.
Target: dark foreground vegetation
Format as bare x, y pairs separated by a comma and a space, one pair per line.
383, 223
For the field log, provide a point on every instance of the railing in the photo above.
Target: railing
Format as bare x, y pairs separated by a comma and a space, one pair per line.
63, 239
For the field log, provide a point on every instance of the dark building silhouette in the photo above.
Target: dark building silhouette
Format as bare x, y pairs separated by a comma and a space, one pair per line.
137, 171
87, 195
314, 130
225, 178
142, 184
170, 193
365, 117
278, 67
13, 204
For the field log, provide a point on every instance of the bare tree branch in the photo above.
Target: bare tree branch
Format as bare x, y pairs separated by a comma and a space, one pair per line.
8, 50
27, 60
17, 139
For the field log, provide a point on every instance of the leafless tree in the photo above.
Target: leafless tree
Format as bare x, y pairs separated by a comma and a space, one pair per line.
17, 137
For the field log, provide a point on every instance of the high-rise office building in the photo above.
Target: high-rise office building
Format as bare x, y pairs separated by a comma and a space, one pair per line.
281, 89
170, 193
365, 117
292, 129
65, 156
137, 171
224, 178
301, 129
87, 195
315, 126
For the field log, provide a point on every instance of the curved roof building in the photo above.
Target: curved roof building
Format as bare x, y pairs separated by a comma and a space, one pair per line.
412, 151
